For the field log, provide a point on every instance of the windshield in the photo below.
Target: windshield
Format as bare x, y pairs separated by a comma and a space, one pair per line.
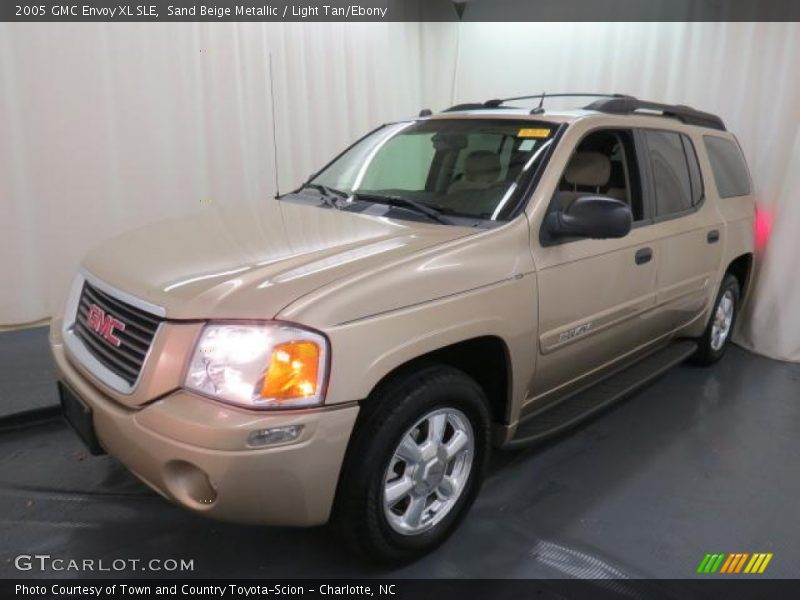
468, 167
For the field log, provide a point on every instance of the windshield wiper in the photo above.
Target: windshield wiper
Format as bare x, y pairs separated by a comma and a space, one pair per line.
330, 196
408, 203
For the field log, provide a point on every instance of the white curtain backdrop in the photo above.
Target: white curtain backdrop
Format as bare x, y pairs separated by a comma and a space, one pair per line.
107, 126
104, 127
749, 73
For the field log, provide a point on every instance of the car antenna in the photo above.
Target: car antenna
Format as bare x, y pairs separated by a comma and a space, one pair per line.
274, 129
539, 109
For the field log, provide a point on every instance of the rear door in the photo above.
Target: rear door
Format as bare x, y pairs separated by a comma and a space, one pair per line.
689, 229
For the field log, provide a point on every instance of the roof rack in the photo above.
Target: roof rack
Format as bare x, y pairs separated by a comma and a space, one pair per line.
498, 102
472, 106
628, 105
620, 104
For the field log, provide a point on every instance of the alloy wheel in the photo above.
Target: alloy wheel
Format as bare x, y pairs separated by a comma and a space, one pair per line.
428, 471
723, 320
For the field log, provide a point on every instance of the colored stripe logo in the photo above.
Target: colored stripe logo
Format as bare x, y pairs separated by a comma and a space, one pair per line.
738, 562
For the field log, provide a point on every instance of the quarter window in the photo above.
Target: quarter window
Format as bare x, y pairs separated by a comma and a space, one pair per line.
728, 166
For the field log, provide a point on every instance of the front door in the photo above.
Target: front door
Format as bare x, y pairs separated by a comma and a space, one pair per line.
596, 297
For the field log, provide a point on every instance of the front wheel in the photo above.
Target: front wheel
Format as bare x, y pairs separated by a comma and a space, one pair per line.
415, 464
714, 341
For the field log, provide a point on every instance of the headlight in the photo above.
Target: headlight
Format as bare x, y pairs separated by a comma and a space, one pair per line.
269, 365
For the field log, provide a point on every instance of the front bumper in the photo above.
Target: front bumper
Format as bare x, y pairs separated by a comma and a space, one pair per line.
194, 452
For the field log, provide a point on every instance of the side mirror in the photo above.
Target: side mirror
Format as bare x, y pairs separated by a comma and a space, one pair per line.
597, 217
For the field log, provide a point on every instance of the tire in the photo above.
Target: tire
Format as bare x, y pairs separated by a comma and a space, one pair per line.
415, 408
716, 338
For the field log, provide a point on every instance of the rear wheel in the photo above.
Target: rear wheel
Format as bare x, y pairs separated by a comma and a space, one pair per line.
415, 464
714, 341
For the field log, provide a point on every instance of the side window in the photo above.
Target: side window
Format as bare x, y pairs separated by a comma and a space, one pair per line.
603, 163
728, 166
671, 175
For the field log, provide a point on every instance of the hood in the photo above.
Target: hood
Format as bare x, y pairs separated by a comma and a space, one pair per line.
250, 261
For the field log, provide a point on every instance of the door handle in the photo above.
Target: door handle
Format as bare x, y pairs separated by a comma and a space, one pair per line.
644, 255
713, 236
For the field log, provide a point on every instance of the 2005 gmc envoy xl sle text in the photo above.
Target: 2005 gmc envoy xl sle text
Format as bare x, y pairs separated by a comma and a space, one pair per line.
483, 277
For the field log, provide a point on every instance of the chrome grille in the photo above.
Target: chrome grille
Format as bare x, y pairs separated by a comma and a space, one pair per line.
140, 327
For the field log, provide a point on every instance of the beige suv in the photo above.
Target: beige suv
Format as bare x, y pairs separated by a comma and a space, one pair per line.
487, 276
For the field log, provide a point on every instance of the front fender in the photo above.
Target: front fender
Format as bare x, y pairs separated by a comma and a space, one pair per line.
363, 352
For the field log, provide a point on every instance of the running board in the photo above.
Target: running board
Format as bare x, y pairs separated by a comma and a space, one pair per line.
566, 413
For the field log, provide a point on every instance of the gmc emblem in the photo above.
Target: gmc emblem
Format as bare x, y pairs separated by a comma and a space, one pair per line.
104, 324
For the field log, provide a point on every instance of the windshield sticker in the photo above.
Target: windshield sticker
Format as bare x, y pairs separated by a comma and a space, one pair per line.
527, 145
533, 133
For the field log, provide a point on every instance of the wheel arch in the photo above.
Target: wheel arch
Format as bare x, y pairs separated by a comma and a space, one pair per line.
486, 359
741, 268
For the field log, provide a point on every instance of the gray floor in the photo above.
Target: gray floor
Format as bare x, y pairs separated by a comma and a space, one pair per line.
703, 460
26, 375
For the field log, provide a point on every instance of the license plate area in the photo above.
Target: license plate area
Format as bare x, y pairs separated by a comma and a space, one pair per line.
79, 416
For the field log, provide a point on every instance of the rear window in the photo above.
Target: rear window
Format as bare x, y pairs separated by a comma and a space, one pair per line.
728, 166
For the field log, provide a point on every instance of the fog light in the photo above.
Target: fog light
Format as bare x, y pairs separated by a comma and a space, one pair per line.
274, 435
189, 484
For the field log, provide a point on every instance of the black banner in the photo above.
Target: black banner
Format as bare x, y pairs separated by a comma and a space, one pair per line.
227, 10
399, 10
415, 589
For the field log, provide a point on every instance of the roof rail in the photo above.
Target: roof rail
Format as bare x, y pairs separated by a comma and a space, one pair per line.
498, 102
626, 105
471, 106
621, 104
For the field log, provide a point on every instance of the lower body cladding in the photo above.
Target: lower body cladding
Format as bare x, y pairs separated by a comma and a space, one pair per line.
199, 453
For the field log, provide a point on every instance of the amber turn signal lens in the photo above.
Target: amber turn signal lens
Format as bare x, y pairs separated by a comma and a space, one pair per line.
292, 371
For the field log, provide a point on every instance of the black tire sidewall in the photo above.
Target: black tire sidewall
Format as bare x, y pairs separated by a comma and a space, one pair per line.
431, 537
401, 407
706, 354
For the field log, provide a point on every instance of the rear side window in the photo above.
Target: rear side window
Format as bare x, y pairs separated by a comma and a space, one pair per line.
728, 166
676, 176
